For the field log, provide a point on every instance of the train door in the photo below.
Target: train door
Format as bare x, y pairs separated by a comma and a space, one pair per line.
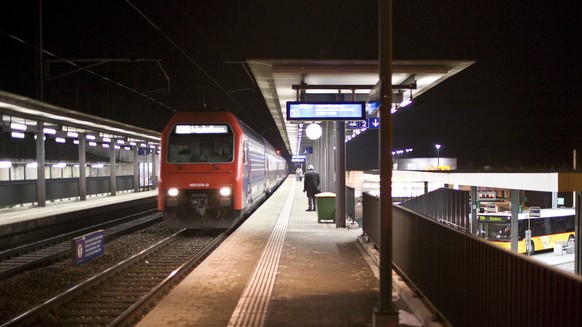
247, 162
266, 179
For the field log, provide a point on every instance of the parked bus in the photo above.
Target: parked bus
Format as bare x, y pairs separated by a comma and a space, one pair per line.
547, 226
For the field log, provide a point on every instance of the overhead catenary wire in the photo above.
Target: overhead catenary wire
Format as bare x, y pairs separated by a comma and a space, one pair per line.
182, 51
189, 58
90, 71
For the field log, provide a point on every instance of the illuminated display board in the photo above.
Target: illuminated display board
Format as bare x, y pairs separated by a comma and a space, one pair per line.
201, 129
346, 110
493, 219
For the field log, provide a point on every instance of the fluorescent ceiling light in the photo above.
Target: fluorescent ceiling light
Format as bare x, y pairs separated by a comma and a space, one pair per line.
49, 130
17, 135
18, 127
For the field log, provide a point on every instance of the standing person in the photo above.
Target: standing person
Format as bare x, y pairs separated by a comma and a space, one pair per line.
311, 186
298, 173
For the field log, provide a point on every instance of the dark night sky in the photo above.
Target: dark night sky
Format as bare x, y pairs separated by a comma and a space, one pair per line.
517, 106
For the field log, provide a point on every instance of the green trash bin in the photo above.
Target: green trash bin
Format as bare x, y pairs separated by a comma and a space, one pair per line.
325, 207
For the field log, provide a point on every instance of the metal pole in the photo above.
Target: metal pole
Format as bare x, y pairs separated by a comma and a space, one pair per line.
577, 225
154, 170
329, 173
40, 50
574, 169
514, 219
385, 314
82, 168
474, 204
112, 172
340, 184
578, 244
135, 170
40, 160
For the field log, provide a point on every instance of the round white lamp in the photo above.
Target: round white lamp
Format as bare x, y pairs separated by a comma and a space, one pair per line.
313, 131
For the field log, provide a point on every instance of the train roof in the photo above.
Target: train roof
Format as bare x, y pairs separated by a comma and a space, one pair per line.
214, 116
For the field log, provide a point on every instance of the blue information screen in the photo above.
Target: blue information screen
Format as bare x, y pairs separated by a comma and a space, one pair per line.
347, 110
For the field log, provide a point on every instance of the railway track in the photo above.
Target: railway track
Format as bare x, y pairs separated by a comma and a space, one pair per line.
119, 295
19, 259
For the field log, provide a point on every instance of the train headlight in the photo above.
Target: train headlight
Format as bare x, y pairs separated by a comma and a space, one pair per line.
225, 191
173, 192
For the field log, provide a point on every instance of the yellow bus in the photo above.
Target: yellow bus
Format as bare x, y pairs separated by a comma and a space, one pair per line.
547, 227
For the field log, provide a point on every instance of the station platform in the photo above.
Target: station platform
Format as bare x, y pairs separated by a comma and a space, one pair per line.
281, 268
27, 212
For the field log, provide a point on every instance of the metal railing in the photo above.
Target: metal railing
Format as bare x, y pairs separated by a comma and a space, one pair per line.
448, 206
13, 193
471, 282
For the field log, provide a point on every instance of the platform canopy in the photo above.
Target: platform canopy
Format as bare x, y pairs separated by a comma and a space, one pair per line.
28, 111
285, 80
529, 181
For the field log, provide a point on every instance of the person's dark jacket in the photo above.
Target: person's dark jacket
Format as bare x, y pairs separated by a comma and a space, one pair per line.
311, 183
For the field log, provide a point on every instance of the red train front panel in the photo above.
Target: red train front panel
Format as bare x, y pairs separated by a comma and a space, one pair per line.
201, 171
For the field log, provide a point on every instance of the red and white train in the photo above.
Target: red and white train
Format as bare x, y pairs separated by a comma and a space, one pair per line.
214, 169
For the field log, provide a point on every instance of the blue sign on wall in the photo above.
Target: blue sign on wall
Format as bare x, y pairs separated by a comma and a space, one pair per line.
88, 246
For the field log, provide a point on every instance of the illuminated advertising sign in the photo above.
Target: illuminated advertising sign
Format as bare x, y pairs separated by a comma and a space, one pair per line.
345, 110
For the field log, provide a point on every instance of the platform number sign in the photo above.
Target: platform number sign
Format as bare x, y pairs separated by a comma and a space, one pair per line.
371, 123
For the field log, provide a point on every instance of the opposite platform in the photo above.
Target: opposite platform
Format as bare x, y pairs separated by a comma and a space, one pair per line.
280, 268
59, 207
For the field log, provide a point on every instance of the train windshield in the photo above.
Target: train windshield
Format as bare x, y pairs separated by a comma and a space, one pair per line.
195, 143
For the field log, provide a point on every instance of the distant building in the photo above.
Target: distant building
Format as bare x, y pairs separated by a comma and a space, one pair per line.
425, 164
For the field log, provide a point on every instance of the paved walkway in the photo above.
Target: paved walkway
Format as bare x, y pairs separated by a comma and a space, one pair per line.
280, 268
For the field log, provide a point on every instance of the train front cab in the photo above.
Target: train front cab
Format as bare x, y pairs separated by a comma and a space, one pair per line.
199, 174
